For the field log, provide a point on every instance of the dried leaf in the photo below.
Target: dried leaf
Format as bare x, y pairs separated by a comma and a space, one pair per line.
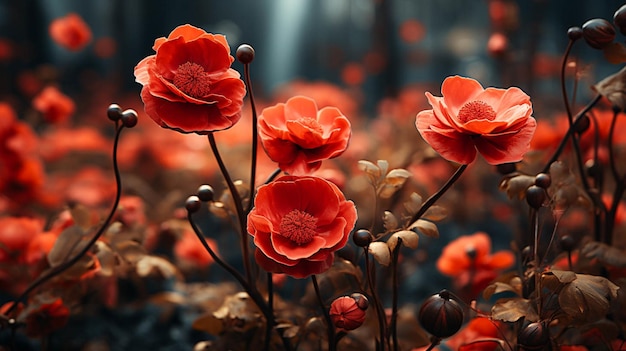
564, 276
613, 88
106, 257
148, 265
497, 288
413, 204
586, 299
435, 213
81, 216
380, 252
515, 186
615, 53
409, 238
373, 171
390, 222
208, 323
393, 181
383, 165
606, 254
511, 310
426, 227
70, 241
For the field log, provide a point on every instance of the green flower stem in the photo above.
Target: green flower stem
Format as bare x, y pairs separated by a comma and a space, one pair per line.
431, 200
330, 329
54, 271
241, 216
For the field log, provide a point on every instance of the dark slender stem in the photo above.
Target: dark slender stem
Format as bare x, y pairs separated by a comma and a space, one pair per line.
431, 200
610, 217
54, 271
612, 164
379, 310
270, 304
434, 343
272, 176
329, 323
255, 142
568, 108
534, 215
569, 132
394, 294
241, 216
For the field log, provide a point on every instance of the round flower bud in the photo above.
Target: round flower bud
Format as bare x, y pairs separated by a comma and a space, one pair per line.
205, 193
506, 168
129, 118
582, 124
346, 313
575, 33
543, 180
245, 53
534, 336
598, 33
114, 112
362, 237
619, 19
193, 204
527, 254
535, 196
440, 315
567, 243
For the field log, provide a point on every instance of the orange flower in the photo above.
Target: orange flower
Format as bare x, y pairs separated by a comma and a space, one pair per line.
188, 248
15, 235
298, 223
54, 105
468, 257
71, 32
496, 122
299, 137
188, 84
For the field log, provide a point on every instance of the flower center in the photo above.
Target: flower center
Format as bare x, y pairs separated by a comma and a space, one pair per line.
312, 124
476, 110
192, 80
298, 226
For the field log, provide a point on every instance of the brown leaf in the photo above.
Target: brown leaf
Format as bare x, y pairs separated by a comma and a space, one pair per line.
606, 254
497, 288
148, 265
81, 216
586, 299
380, 252
208, 323
373, 172
413, 204
435, 213
613, 88
106, 257
564, 276
390, 222
70, 241
516, 185
393, 181
409, 238
426, 227
511, 310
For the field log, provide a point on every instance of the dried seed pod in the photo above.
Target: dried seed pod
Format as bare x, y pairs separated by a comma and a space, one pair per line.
440, 315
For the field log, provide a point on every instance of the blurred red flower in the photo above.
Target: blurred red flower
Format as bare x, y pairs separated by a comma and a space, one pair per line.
70, 31
299, 137
188, 248
298, 223
188, 84
55, 106
15, 235
469, 260
496, 122
44, 318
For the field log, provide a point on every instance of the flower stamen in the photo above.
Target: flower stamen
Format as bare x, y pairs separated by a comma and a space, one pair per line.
192, 79
298, 226
476, 110
311, 124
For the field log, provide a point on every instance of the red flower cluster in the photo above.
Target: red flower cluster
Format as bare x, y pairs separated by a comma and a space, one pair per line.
188, 84
496, 122
55, 106
299, 137
298, 223
70, 31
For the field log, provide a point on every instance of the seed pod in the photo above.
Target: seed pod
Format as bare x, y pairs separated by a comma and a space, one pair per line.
619, 19
440, 315
193, 204
362, 237
534, 336
598, 33
575, 33
347, 313
205, 193
543, 180
535, 196
567, 243
245, 54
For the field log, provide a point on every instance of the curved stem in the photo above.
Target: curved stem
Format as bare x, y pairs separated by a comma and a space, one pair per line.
272, 176
568, 108
611, 149
255, 142
54, 271
379, 310
434, 343
270, 304
431, 200
329, 323
241, 216
394, 292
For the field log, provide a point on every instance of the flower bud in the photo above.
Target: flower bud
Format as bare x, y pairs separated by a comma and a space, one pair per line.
535, 196
534, 336
193, 204
440, 315
245, 53
543, 180
598, 33
567, 243
129, 118
574, 33
114, 112
205, 193
619, 19
348, 313
362, 237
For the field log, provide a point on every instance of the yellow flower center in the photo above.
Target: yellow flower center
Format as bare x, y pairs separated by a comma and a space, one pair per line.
476, 110
192, 79
298, 226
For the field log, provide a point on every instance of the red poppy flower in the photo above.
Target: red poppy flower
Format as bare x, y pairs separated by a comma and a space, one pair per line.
299, 137
496, 122
70, 31
188, 84
298, 223
54, 105
469, 260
